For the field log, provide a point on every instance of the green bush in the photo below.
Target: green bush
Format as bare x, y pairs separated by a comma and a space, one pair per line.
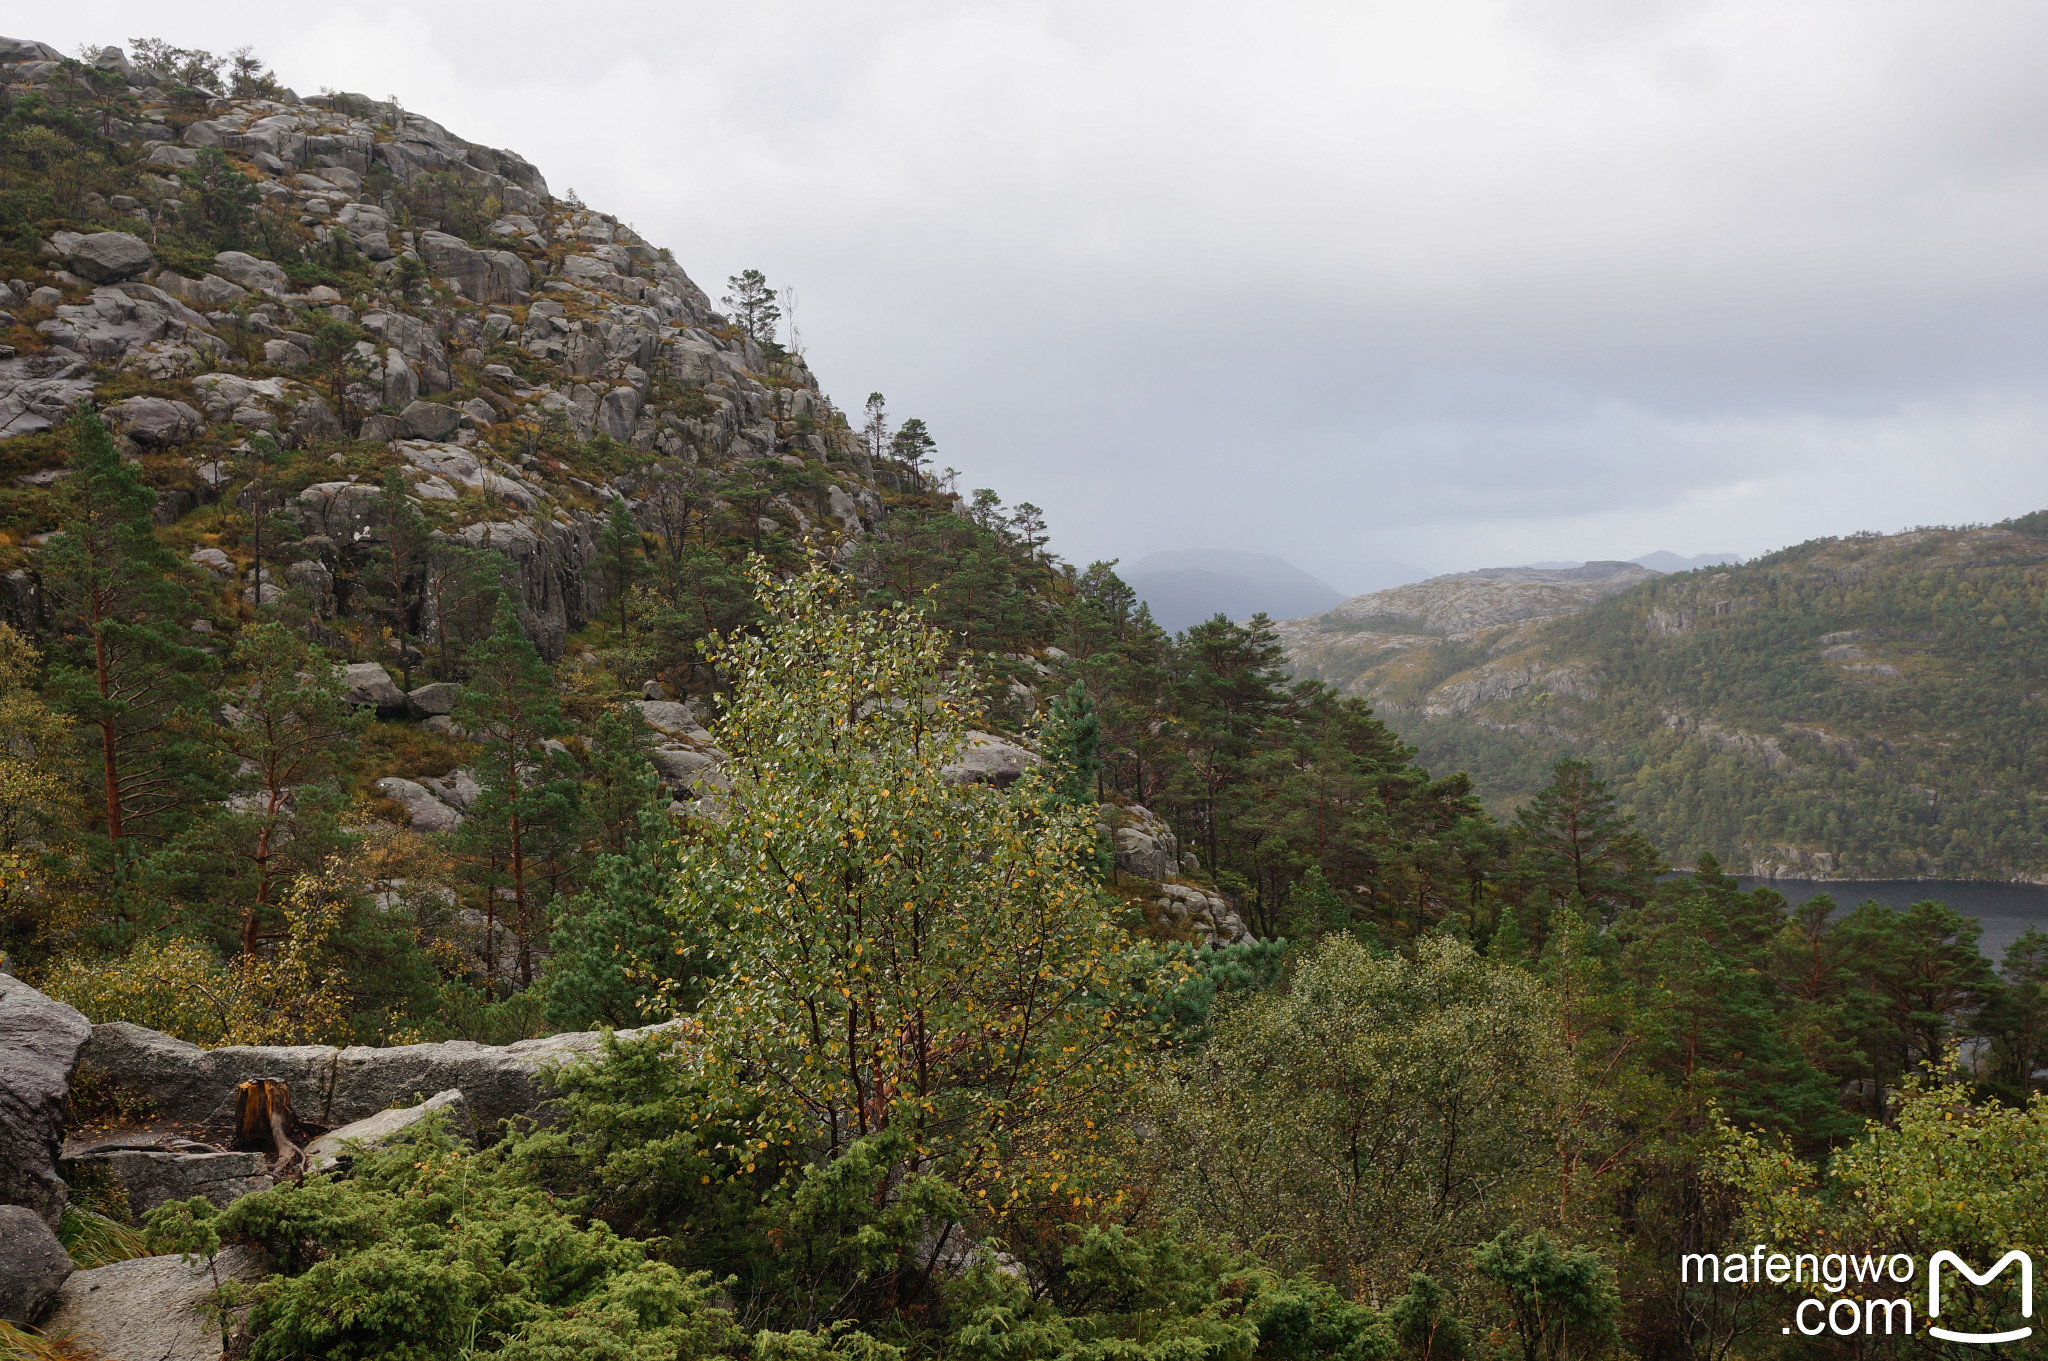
427, 1250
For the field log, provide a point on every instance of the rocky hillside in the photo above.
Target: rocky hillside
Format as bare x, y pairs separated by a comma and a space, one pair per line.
493, 330
1379, 644
1863, 707
413, 498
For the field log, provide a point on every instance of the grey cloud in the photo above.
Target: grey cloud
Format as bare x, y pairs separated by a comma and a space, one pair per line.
1455, 283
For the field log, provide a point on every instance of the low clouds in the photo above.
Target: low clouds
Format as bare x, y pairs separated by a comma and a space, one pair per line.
1457, 283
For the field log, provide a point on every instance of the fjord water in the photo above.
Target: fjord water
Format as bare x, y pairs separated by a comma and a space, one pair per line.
2003, 910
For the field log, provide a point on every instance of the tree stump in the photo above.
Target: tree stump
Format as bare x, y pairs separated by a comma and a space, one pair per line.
263, 1116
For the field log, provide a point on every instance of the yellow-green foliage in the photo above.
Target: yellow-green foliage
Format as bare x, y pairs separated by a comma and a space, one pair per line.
294, 996
1377, 1118
902, 953
1948, 1174
175, 986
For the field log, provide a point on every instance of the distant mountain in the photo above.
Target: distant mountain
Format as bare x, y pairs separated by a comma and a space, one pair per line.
1662, 561
1459, 603
1186, 586
1863, 707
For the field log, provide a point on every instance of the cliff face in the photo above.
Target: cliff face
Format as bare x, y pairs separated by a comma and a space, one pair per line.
486, 318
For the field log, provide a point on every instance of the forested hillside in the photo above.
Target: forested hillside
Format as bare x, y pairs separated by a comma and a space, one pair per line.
1867, 707
431, 625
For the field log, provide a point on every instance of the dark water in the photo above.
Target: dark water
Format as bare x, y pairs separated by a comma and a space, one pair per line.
2004, 911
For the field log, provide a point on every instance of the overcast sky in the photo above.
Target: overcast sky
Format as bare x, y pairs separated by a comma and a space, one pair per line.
1443, 282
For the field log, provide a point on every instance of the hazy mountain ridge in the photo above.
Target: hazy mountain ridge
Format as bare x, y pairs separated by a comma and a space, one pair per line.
1183, 587
1848, 707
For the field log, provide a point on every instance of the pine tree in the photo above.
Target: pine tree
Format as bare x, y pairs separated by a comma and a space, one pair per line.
522, 829
621, 783
1572, 841
287, 719
614, 955
121, 665
1071, 742
752, 303
398, 563
874, 431
913, 445
619, 559
2021, 1020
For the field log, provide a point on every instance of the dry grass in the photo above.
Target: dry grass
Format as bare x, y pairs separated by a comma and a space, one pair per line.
93, 1240
26, 1344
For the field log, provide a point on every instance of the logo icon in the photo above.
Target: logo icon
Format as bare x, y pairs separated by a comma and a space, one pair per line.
1934, 1295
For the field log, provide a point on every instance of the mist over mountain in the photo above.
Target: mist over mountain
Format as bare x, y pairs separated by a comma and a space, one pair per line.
1188, 585
1662, 561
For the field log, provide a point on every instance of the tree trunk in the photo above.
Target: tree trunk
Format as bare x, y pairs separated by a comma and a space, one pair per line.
263, 1115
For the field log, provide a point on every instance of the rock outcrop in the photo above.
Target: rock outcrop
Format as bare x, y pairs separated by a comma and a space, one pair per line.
336, 1086
105, 257
33, 1265
153, 1172
1146, 847
988, 759
381, 1129
148, 1307
40, 1041
1202, 913
550, 317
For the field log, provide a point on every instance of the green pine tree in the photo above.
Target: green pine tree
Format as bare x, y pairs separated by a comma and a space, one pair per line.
619, 560
121, 665
521, 833
398, 563
1573, 842
1071, 741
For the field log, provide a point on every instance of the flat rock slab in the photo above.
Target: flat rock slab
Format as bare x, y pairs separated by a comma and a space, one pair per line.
151, 1177
332, 1087
382, 1128
146, 1309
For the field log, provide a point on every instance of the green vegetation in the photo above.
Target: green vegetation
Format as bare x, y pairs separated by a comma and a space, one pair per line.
930, 1075
1855, 706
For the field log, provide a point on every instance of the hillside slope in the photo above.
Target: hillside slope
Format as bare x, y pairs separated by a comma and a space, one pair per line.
522, 359
1862, 707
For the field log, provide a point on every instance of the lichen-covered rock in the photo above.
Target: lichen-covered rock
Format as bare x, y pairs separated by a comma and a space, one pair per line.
688, 771
430, 420
40, 1041
33, 1265
334, 1086
148, 1307
987, 759
484, 276
258, 276
370, 685
153, 1175
107, 257
379, 1130
1146, 847
1206, 915
157, 422
426, 813
39, 390
436, 698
